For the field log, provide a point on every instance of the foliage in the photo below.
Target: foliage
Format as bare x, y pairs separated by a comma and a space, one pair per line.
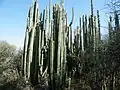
10, 60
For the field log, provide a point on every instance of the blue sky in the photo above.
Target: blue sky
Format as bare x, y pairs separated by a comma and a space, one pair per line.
13, 16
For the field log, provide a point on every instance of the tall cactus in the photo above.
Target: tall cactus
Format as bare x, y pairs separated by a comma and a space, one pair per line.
42, 51
110, 27
98, 19
80, 35
25, 52
31, 39
28, 29
116, 21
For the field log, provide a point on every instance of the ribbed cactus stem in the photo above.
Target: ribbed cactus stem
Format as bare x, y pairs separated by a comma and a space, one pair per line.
31, 39
89, 34
42, 41
92, 26
36, 53
83, 33
98, 19
95, 33
52, 49
62, 40
116, 20
25, 51
59, 41
43, 19
78, 43
30, 17
70, 28
86, 41
47, 23
29, 24
50, 17
35, 13
30, 51
92, 8
110, 28
80, 35
39, 46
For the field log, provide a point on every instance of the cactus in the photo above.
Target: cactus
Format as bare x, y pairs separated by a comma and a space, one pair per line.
116, 21
80, 35
31, 39
98, 19
110, 27
25, 52
85, 33
48, 44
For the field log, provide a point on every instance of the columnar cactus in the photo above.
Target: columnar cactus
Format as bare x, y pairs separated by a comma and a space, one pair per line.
110, 27
98, 19
49, 43
116, 21
31, 39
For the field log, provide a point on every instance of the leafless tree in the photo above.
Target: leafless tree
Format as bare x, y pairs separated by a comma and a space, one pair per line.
113, 6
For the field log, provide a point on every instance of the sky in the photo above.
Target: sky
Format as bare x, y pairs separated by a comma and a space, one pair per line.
13, 16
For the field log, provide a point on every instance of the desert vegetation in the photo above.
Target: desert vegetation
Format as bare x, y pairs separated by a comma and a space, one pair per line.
57, 57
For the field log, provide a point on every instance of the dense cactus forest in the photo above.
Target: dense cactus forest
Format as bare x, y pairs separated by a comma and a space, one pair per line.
57, 56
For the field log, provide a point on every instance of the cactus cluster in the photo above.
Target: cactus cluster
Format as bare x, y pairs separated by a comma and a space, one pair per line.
87, 40
45, 44
49, 43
